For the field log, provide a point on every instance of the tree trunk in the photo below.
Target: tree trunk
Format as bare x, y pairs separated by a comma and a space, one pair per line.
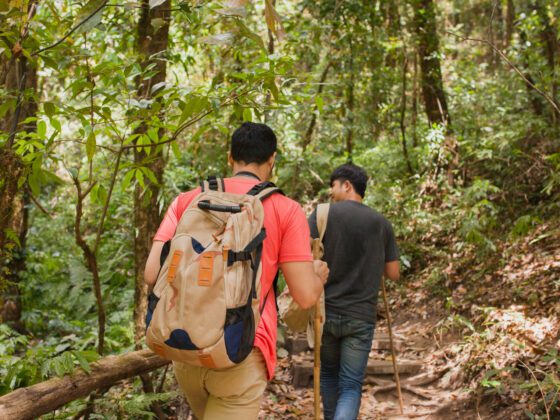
549, 36
17, 76
510, 21
428, 52
151, 44
36, 400
393, 29
414, 116
11, 301
535, 98
403, 114
146, 208
18, 80
431, 79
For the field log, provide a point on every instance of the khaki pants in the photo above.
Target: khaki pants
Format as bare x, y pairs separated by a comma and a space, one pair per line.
231, 393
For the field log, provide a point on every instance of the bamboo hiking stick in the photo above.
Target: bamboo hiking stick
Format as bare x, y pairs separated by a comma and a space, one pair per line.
395, 367
317, 341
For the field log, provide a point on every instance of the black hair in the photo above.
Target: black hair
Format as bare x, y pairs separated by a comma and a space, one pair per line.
353, 174
253, 143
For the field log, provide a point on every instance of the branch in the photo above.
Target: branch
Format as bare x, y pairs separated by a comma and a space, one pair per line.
39, 206
107, 201
188, 123
71, 31
513, 66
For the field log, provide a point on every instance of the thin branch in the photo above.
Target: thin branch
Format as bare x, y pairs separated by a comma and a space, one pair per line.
107, 200
39, 206
188, 123
513, 66
71, 31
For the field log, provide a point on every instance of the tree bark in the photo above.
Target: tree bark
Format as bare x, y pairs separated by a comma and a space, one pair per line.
151, 43
11, 302
510, 21
403, 113
150, 46
36, 400
393, 29
549, 36
18, 80
428, 51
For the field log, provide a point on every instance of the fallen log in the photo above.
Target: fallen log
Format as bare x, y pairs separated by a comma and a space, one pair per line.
35, 400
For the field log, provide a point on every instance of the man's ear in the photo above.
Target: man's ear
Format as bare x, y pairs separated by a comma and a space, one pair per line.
272, 159
348, 187
229, 159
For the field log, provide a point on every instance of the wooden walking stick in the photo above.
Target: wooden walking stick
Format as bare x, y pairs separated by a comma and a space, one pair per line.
317, 249
395, 367
317, 254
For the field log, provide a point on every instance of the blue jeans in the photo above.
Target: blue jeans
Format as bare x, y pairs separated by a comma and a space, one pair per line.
345, 349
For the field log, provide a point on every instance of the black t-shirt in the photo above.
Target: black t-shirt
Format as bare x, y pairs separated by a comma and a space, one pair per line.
358, 242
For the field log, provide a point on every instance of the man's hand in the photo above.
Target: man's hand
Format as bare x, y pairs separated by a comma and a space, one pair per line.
321, 269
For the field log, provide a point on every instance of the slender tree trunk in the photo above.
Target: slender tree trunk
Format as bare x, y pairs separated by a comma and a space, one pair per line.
549, 37
151, 44
146, 208
428, 52
350, 116
403, 113
270, 52
510, 22
535, 99
393, 29
432, 82
414, 116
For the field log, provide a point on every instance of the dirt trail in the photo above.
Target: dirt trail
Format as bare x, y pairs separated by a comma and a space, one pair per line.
429, 383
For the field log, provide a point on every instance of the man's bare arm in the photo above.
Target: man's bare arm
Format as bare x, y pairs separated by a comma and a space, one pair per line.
392, 270
152, 264
305, 280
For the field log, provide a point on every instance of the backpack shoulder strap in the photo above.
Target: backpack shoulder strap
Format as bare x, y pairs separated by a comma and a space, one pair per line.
322, 218
213, 183
264, 190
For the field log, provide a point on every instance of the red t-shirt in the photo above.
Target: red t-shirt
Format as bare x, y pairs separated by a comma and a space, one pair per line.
287, 240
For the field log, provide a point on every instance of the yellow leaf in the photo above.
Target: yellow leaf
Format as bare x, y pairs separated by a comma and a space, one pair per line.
273, 20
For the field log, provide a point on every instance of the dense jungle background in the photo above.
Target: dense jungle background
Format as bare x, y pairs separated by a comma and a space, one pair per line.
109, 108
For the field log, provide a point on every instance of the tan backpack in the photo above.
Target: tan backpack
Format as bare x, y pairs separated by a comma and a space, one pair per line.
296, 318
206, 306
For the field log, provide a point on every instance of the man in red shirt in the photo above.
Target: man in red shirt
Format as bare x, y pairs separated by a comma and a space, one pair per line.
235, 393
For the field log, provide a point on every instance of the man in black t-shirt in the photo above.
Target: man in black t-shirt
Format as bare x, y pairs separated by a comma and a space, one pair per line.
359, 247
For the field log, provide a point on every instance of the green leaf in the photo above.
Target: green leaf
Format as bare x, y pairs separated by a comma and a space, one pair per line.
193, 107
140, 178
84, 364
319, 103
56, 124
175, 150
150, 175
247, 33
41, 129
49, 109
89, 16
127, 178
247, 115
91, 145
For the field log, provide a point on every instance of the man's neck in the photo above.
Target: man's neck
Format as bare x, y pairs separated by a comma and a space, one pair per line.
353, 197
259, 171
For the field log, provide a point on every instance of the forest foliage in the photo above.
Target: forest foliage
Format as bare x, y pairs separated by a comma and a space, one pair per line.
109, 109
